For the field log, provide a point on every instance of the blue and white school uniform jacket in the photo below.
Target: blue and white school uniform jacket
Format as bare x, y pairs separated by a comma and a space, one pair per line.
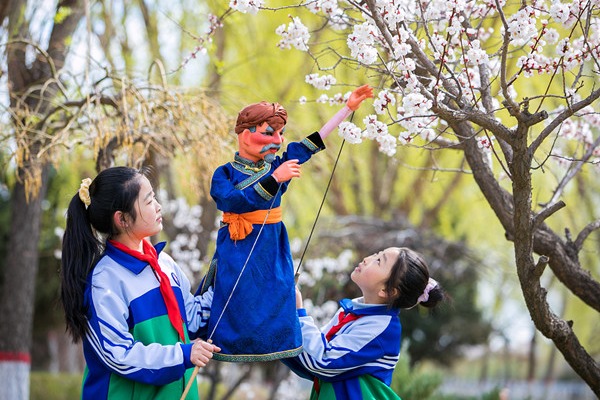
131, 349
366, 347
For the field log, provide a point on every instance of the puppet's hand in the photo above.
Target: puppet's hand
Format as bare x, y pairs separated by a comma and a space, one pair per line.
202, 352
286, 171
358, 95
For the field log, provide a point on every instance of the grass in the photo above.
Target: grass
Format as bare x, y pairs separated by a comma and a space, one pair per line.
48, 386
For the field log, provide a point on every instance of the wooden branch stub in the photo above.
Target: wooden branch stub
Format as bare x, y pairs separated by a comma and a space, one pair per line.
546, 212
538, 270
537, 117
583, 235
512, 110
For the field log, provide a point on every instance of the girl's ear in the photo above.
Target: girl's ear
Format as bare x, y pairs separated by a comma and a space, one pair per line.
385, 295
120, 221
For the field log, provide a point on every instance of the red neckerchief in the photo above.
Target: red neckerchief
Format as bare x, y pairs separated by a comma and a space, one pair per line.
343, 319
151, 257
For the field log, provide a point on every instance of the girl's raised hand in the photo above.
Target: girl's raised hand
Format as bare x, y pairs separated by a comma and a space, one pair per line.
298, 298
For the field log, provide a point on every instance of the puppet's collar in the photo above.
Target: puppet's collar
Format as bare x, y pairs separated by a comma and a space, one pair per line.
249, 165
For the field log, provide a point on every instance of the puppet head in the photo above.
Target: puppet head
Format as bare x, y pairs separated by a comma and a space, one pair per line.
260, 128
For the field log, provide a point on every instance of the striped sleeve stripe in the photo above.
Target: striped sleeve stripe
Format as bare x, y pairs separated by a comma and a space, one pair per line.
323, 369
104, 354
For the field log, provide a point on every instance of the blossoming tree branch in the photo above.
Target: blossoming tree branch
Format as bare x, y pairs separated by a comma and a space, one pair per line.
511, 85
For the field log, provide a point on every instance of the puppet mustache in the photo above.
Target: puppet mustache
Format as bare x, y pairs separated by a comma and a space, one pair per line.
269, 147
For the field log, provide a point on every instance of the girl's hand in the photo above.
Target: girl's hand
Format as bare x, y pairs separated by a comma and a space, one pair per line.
358, 95
202, 352
286, 171
298, 298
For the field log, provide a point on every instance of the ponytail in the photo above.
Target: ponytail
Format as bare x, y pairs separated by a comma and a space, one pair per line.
436, 295
80, 250
90, 214
409, 283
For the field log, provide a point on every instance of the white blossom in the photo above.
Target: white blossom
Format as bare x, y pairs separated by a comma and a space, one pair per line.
384, 98
361, 43
427, 134
393, 11
404, 137
320, 82
186, 218
388, 144
521, 26
374, 129
350, 132
295, 34
559, 12
552, 36
484, 143
336, 17
323, 99
476, 55
246, 6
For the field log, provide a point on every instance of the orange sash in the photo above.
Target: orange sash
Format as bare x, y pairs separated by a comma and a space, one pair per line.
240, 225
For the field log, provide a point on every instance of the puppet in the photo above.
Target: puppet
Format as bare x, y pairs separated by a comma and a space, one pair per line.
253, 316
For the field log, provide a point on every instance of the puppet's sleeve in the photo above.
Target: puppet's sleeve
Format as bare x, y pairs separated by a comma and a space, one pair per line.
304, 149
334, 122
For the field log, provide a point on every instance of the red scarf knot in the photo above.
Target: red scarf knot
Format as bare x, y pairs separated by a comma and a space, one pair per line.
343, 319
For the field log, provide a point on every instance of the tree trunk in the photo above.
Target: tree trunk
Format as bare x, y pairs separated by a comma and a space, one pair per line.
515, 214
16, 302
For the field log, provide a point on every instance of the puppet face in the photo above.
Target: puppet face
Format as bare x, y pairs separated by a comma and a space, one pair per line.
260, 142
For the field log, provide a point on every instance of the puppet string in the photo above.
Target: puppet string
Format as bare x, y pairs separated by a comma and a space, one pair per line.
297, 274
239, 277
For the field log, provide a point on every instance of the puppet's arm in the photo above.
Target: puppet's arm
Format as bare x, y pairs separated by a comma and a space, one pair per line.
354, 101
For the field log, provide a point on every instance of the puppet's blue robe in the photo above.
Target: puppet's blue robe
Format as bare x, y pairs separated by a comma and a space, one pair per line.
255, 319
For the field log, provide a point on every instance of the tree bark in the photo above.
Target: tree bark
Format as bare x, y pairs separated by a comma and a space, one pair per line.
16, 301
